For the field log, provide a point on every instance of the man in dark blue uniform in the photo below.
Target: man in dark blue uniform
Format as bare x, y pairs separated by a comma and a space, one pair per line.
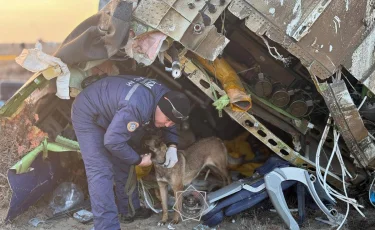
106, 116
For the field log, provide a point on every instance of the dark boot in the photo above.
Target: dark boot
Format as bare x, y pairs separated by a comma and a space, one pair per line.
126, 219
140, 214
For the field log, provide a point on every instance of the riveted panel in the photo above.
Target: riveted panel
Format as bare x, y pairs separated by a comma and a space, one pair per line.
151, 12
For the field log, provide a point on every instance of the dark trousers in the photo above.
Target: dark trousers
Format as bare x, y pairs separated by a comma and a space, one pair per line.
102, 169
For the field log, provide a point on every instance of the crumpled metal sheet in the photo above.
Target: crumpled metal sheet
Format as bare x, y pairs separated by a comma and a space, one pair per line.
99, 36
323, 34
175, 19
350, 123
257, 20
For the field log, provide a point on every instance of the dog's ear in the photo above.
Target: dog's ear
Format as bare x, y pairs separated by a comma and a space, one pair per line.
145, 141
157, 140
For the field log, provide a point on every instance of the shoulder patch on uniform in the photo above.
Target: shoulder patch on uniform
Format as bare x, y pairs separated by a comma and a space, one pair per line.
132, 126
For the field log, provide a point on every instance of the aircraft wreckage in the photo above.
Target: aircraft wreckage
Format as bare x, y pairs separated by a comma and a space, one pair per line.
285, 71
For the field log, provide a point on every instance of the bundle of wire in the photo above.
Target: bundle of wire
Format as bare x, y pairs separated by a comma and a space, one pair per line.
147, 197
143, 189
332, 193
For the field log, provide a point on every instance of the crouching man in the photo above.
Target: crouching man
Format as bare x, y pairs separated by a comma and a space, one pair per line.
105, 116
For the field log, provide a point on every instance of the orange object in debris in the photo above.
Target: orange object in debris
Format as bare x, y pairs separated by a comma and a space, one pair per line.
142, 171
231, 82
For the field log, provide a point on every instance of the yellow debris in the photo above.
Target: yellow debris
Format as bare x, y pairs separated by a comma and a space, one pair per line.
223, 71
142, 171
239, 148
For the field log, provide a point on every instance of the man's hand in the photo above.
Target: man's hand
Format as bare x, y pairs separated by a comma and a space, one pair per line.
171, 157
146, 160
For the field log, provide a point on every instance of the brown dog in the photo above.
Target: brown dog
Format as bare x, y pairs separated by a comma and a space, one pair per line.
210, 152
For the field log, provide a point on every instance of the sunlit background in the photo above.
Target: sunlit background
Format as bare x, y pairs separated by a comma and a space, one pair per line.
48, 20
24, 22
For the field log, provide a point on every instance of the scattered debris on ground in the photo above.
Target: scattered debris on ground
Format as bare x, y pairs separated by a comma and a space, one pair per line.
18, 137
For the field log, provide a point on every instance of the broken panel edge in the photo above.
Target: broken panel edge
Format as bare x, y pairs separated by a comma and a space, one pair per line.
258, 24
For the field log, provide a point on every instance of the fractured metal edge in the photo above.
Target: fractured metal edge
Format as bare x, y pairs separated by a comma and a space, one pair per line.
360, 150
13, 105
256, 128
260, 25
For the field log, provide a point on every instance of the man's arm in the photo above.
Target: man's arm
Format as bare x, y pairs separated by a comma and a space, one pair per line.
119, 132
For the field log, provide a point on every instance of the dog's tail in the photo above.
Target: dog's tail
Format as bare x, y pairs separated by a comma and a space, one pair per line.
227, 178
225, 150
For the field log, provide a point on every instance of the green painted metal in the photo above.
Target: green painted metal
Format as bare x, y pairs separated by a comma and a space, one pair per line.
269, 104
67, 142
61, 145
23, 165
37, 81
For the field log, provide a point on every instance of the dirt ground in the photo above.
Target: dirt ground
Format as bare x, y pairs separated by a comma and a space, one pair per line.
259, 218
251, 220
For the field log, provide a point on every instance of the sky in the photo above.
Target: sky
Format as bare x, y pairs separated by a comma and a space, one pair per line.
49, 20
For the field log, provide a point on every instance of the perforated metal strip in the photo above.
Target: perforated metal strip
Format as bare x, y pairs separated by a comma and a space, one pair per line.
251, 124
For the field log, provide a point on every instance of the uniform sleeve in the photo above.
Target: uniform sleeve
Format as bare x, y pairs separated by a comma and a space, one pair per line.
119, 132
170, 135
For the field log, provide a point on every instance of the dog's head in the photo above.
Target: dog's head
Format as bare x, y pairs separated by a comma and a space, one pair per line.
157, 147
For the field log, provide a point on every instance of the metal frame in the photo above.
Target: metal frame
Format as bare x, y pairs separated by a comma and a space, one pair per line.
256, 128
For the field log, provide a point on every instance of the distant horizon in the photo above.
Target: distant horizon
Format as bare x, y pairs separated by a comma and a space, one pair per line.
30, 43
48, 20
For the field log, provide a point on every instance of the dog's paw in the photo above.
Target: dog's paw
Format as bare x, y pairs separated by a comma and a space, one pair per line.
162, 223
175, 221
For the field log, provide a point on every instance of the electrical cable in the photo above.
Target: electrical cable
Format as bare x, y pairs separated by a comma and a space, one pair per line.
344, 172
146, 197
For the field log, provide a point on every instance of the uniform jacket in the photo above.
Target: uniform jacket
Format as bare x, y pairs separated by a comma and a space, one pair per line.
122, 105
